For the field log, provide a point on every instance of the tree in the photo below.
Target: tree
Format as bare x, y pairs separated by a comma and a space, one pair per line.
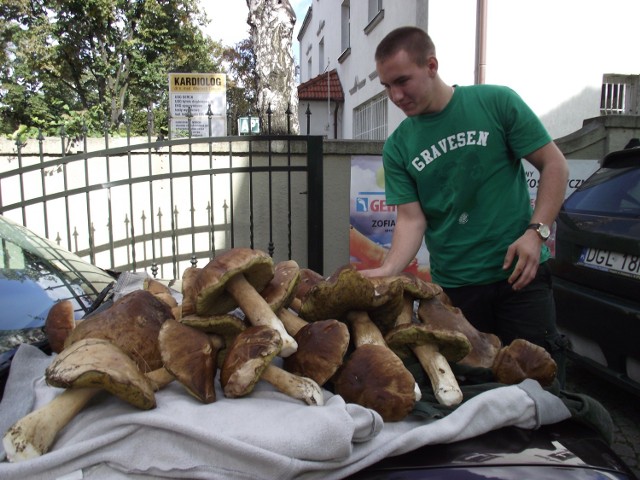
271, 24
242, 84
91, 60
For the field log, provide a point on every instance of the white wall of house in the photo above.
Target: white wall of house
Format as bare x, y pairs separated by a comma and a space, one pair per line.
323, 32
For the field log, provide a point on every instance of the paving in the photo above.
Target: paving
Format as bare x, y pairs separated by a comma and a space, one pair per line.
623, 406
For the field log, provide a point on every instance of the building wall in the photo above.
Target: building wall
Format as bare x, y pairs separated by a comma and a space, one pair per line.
356, 68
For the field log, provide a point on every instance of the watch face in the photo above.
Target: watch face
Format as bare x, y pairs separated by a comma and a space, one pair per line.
544, 231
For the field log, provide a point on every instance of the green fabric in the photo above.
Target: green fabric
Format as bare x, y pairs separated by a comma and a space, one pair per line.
474, 381
464, 166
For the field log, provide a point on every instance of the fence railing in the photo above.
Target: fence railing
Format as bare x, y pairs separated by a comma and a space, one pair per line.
162, 206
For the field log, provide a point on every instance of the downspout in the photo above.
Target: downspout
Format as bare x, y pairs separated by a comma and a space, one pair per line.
335, 120
481, 41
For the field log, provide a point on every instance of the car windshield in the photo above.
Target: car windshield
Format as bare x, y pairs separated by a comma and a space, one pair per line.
34, 274
612, 191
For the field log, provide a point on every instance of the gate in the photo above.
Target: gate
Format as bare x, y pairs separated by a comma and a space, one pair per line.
162, 206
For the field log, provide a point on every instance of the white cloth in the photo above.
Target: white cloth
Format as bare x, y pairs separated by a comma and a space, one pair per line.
266, 435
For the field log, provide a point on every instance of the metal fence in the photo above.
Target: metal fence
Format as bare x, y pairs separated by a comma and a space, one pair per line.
162, 206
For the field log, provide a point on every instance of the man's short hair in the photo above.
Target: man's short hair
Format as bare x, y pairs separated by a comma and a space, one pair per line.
413, 40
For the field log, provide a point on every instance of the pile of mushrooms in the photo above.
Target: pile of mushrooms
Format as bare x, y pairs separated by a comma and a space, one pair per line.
238, 313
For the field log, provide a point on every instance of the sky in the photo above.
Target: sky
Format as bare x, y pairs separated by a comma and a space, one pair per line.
546, 50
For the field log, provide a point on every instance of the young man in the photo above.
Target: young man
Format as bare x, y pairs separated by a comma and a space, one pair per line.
453, 168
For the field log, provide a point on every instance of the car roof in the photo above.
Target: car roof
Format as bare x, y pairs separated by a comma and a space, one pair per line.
628, 157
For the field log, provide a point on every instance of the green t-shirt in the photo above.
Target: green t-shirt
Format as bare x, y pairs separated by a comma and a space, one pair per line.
464, 166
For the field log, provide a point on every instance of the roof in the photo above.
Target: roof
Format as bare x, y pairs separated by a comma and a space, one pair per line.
318, 88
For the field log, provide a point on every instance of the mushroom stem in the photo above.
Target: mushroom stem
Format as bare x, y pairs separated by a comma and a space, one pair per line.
444, 383
292, 322
33, 434
258, 310
295, 386
365, 331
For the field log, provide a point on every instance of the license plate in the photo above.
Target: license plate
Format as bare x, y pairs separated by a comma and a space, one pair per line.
620, 263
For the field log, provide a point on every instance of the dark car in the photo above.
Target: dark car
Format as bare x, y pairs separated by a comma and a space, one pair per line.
597, 269
559, 451
36, 273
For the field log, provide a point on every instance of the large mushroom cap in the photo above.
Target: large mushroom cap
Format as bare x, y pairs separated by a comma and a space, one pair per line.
522, 359
452, 345
250, 354
188, 354
212, 297
132, 323
375, 378
98, 363
439, 314
281, 289
322, 346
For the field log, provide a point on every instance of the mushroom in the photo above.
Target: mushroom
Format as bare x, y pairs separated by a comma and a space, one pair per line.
234, 279
308, 278
188, 305
438, 313
522, 359
249, 359
434, 350
87, 366
58, 324
160, 290
98, 363
373, 376
322, 346
348, 290
227, 326
344, 290
191, 356
132, 323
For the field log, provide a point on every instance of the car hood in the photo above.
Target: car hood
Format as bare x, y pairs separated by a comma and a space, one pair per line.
564, 450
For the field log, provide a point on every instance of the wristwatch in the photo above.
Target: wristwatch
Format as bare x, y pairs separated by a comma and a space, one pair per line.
543, 230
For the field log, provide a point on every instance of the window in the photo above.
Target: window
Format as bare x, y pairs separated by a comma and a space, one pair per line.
345, 41
321, 57
370, 119
375, 6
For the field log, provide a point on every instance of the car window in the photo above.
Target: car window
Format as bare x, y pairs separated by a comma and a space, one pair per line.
34, 274
614, 191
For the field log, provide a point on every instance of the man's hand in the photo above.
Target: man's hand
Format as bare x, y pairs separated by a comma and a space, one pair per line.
527, 250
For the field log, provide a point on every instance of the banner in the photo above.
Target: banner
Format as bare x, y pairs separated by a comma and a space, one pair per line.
373, 221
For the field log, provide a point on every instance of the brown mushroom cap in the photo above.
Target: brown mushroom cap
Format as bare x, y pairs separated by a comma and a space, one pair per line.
98, 363
250, 354
188, 305
281, 289
322, 346
212, 297
188, 355
132, 323
523, 359
348, 290
59, 323
452, 345
437, 314
376, 378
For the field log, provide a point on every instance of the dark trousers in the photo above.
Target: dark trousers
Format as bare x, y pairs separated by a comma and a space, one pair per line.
529, 313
